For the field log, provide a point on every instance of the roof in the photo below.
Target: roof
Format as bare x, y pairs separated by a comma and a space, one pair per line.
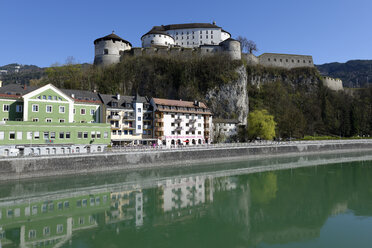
178, 103
16, 90
232, 121
108, 100
114, 37
163, 28
82, 95
283, 54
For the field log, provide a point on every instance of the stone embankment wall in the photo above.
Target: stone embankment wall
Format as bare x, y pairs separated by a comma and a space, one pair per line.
18, 168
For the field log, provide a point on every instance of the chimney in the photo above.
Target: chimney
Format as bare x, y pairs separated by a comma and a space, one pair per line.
214, 23
118, 96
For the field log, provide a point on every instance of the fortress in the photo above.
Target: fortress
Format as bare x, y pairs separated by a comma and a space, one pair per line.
200, 39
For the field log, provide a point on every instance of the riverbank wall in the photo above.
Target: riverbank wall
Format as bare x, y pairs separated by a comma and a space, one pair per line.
31, 167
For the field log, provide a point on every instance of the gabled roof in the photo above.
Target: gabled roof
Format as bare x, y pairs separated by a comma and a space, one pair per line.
83, 96
16, 90
113, 37
163, 28
108, 100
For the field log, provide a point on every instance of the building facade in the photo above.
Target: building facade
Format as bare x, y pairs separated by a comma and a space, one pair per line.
224, 130
188, 35
178, 122
46, 120
130, 117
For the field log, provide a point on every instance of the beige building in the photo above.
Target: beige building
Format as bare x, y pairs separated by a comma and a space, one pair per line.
130, 117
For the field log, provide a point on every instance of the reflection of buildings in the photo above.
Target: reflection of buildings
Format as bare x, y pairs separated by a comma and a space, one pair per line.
126, 206
49, 223
185, 192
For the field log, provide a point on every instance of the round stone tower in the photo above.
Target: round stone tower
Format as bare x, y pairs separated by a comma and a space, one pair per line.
108, 49
232, 48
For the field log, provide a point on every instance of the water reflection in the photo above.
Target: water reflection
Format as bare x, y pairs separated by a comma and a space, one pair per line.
202, 209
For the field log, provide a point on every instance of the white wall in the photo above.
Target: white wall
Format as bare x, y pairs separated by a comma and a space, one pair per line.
157, 40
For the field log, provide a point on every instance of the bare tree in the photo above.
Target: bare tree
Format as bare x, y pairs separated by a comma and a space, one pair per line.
248, 46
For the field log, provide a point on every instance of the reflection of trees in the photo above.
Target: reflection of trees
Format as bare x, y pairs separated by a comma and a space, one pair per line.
264, 187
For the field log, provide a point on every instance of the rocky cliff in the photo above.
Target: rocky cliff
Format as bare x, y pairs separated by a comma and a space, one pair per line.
231, 100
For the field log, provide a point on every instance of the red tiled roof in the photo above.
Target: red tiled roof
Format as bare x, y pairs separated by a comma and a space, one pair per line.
178, 103
10, 96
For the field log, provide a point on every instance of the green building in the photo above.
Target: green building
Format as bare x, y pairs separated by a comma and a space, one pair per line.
47, 120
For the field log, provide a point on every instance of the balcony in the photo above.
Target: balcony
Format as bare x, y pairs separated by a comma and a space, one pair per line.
158, 119
159, 129
192, 121
114, 117
115, 127
192, 129
206, 125
178, 120
129, 117
147, 127
179, 128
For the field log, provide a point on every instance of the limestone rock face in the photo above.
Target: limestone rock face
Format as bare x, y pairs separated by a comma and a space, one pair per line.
230, 100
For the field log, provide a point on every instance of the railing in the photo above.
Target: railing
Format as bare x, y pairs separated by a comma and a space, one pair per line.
179, 128
114, 117
128, 117
159, 128
192, 120
178, 120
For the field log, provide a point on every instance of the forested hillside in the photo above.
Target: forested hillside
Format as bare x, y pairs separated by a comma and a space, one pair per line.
354, 73
297, 99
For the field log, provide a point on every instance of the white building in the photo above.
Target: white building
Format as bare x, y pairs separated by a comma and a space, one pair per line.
180, 122
187, 35
224, 129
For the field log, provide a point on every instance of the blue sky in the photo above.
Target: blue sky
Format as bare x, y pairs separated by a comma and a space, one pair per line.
43, 32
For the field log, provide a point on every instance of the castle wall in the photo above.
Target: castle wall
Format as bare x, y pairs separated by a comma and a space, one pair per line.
232, 49
194, 37
333, 83
108, 52
288, 61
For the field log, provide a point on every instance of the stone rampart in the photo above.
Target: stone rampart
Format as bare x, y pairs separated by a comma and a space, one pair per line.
288, 61
18, 168
333, 83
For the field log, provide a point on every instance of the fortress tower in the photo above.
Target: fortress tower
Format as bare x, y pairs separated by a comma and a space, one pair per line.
108, 49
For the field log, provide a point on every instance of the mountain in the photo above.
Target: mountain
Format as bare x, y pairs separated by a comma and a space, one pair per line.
353, 73
20, 74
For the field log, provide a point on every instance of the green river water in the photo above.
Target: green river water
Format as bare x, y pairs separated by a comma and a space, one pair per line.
254, 203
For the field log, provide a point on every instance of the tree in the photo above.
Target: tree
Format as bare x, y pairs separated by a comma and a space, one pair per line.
261, 124
248, 46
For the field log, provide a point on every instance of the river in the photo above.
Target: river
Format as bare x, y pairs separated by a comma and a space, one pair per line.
267, 202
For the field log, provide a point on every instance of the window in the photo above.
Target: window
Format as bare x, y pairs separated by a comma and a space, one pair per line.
52, 135
92, 112
1, 135
61, 109
46, 231
6, 107
93, 135
199, 132
44, 97
55, 98
19, 135
11, 135
61, 135
139, 118
59, 228
46, 135
35, 108
48, 120
82, 111
139, 110
139, 127
105, 135
61, 120
85, 135
5, 119
19, 108
36, 135
66, 204
98, 135
35, 119
199, 124
85, 202
105, 51
80, 135
49, 109
68, 135
32, 234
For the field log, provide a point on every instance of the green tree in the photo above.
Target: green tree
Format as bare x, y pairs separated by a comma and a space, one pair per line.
261, 124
